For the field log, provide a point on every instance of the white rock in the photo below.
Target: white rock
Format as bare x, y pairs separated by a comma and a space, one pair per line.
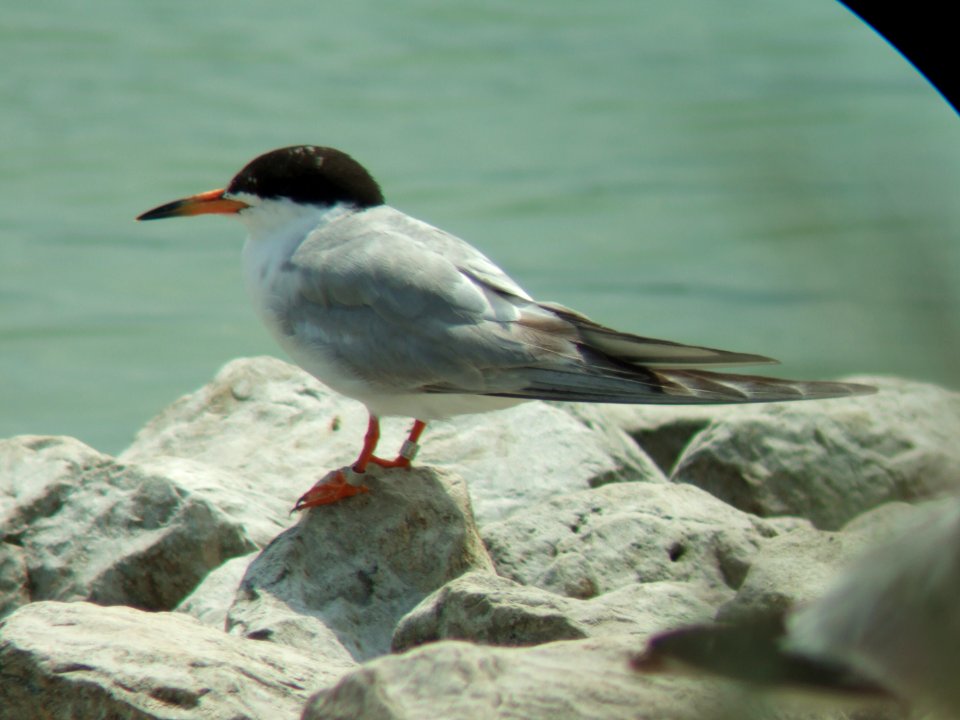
797, 566
831, 460
893, 616
524, 455
32, 467
211, 599
351, 570
664, 431
493, 610
95, 529
883, 633
574, 680
279, 430
237, 495
594, 541
14, 578
77, 660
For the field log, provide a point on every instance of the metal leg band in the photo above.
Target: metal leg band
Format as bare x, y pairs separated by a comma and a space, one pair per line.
409, 450
352, 476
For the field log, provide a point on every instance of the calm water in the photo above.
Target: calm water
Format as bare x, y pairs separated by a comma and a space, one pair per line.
761, 175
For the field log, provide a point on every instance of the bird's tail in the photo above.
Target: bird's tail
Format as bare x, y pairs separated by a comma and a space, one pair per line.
671, 386
616, 367
706, 386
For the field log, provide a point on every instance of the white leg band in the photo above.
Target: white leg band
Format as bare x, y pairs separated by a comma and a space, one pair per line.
352, 476
409, 450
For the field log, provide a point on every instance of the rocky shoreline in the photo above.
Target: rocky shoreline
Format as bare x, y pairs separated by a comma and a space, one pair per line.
512, 574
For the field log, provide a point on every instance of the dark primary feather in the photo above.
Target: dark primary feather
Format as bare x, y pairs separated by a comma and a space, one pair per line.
612, 367
675, 387
649, 351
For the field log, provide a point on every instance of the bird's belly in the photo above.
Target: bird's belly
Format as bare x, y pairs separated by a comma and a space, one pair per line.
435, 406
380, 400
315, 358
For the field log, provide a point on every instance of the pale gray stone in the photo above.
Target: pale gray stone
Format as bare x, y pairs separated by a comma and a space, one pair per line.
493, 610
237, 495
278, 430
14, 578
831, 460
60, 661
586, 557
882, 632
286, 615
893, 614
591, 542
267, 422
517, 457
211, 599
664, 431
574, 680
95, 529
351, 570
32, 470
798, 565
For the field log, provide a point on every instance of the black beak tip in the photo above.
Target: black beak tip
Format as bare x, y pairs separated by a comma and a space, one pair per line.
163, 211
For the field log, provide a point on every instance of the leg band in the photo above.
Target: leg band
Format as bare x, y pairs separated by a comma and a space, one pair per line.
409, 450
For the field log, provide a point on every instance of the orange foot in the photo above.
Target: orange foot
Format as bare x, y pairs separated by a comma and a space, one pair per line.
329, 489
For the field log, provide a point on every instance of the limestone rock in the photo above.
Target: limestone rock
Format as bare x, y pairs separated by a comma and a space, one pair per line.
527, 454
351, 570
591, 562
263, 419
798, 565
241, 497
591, 542
60, 661
92, 528
664, 431
893, 614
831, 460
573, 680
279, 430
882, 633
14, 578
211, 599
493, 610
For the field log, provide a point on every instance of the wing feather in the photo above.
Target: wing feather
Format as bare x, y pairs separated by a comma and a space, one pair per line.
407, 308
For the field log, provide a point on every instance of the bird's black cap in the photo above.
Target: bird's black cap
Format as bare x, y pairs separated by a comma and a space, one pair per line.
308, 174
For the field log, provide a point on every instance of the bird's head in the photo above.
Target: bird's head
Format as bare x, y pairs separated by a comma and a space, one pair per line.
307, 176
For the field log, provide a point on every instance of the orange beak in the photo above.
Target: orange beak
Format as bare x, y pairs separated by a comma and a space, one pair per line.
206, 203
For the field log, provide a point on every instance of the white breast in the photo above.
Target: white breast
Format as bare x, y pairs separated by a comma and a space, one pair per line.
276, 229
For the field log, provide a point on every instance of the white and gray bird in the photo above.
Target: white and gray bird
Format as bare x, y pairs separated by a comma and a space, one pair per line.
415, 322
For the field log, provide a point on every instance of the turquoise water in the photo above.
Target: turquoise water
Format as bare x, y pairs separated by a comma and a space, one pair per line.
759, 175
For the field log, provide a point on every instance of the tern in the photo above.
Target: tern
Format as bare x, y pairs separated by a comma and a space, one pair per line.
415, 322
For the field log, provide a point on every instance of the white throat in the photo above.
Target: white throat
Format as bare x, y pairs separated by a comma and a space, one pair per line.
277, 227
280, 218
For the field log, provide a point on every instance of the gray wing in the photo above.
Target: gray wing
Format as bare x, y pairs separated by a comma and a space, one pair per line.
409, 308
403, 305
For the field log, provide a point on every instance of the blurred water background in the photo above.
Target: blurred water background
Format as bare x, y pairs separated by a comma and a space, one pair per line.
760, 175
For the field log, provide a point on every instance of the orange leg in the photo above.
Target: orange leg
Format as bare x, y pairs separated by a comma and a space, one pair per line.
370, 441
407, 451
334, 486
